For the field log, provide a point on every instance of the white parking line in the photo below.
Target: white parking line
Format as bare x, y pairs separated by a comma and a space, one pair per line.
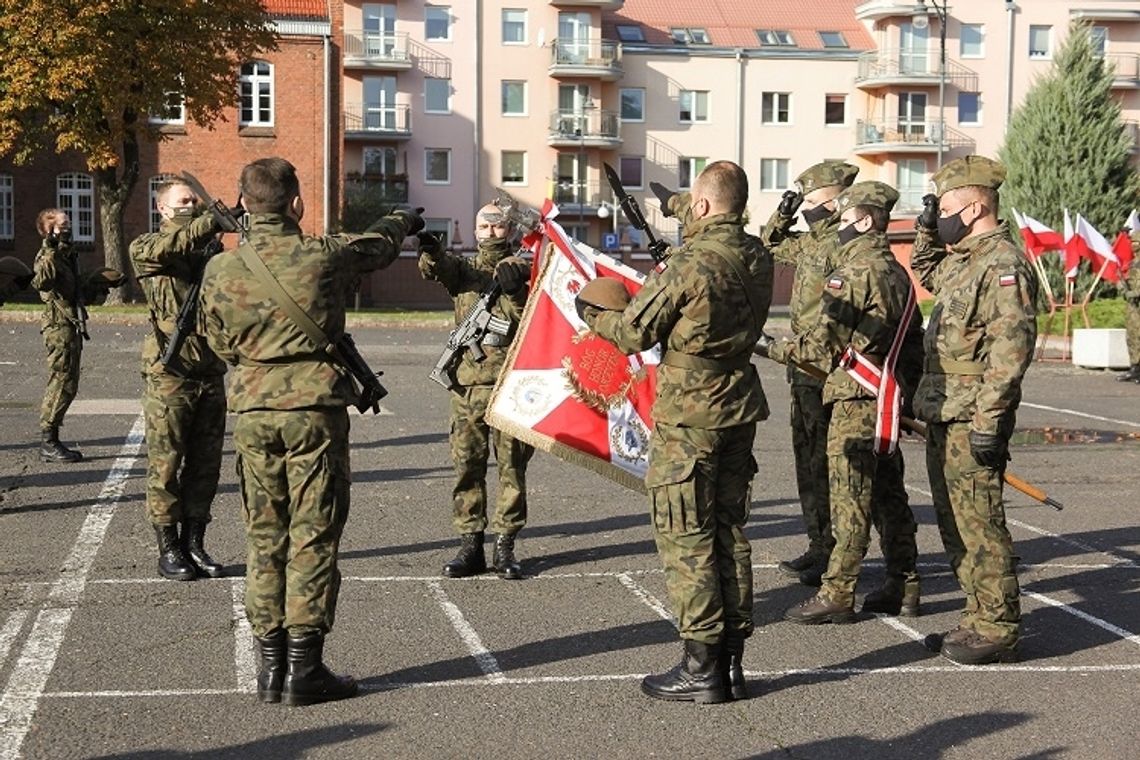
12, 627
26, 683
646, 598
245, 666
1086, 415
1102, 624
487, 662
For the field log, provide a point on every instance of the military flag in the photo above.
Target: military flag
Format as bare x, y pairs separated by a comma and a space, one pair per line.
1101, 253
1038, 236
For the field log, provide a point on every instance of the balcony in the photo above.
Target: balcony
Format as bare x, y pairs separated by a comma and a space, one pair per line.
576, 198
597, 59
884, 68
605, 5
592, 128
366, 121
1125, 70
376, 50
873, 138
875, 10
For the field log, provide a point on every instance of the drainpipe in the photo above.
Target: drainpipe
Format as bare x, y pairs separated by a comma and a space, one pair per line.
740, 106
1010, 7
326, 190
478, 136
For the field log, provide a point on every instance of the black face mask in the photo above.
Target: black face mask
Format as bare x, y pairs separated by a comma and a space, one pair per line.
65, 236
951, 229
817, 214
848, 233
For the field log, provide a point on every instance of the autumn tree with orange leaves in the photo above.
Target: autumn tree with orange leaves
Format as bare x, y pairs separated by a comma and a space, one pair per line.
83, 75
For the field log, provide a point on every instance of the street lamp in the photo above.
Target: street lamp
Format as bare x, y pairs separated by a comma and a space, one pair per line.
921, 20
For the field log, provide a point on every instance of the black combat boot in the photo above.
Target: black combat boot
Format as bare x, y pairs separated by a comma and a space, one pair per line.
731, 666
812, 575
1131, 376
307, 680
793, 567
696, 678
172, 563
51, 450
503, 558
193, 537
897, 596
470, 560
272, 673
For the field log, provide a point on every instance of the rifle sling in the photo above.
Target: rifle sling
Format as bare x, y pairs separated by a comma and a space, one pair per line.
292, 309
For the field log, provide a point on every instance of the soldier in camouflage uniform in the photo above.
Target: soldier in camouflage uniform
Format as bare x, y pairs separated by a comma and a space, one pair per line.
862, 308
291, 434
14, 277
1131, 292
471, 438
706, 305
979, 343
65, 291
184, 403
810, 254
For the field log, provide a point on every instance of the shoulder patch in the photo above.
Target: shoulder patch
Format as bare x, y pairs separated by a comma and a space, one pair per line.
835, 283
1007, 279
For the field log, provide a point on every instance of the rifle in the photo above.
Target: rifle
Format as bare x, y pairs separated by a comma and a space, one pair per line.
468, 334
187, 320
633, 213
221, 212
344, 352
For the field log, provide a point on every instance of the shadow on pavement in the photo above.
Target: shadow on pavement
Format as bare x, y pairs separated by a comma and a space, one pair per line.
298, 744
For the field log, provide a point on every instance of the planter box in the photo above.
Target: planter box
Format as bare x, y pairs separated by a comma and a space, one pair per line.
1101, 348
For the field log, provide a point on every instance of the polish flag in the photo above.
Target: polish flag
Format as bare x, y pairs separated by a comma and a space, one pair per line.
1123, 247
1038, 237
1075, 248
1100, 251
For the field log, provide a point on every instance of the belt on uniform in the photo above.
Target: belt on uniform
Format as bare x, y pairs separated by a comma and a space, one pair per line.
688, 361
939, 366
282, 361
494, 339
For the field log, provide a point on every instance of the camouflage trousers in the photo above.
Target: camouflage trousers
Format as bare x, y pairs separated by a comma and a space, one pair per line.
971, 519
700, 492
471, 441
866, 490
294, 475
810, 418
185, 425
64, 349
1132, 329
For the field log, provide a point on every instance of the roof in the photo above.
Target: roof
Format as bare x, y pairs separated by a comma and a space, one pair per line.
733, 23
297, 9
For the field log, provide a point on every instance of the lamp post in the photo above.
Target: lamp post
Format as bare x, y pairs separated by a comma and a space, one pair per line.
921, 20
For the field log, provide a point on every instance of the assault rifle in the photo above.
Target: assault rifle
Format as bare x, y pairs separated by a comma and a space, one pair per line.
469, 334
633, 213
344, 352
187, 320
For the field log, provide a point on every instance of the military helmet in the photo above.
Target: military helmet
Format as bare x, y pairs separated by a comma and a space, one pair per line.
826, 174
878, 194
605, 293
968, 170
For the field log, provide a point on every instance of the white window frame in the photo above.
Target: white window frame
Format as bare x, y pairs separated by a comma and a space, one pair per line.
843, 43
7, 207
439, 226
698, 35
694, 107
641, 171
385, 149
630, 33
503, 98
911, 196
1093, 32
163, 119
1047, 54
770, 179
71, 190
621, 104
503, 29
981, 42
692, 162
450, 22
503, 163
775, 120
154, 219
447, 84
981, 104
427, 163
775, 38
260, 85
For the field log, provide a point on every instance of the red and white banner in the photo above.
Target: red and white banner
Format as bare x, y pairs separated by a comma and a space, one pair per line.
1101, 253
1075, 249
1038, 236
563, 389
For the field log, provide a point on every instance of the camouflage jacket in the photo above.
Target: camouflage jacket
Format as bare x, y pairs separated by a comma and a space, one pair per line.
862, 306
465, 279
1131, 285
61, 284
167, 263
276, 366
982, 331
812, 254
695, 305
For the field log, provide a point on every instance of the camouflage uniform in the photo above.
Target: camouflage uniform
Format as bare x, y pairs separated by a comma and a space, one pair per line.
862, 306
14, 277
292, 429
979, 343
185, 407
709, 399
471, 437
1131, 292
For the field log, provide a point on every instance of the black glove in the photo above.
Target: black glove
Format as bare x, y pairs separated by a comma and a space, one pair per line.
762, 345
988, 449
790, 202
513, 274
430, 243
928, 219
412, 218
52, 239
664, 195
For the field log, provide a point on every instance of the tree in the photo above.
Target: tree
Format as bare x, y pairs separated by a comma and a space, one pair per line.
83, 75
1066, 147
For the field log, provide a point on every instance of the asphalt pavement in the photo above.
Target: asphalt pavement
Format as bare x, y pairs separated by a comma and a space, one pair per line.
100, 658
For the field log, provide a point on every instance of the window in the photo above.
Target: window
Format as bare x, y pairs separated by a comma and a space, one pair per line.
835, 110
911, 183
154, 216
775, 38
694, 35
699, 36
680, 36
514, 98
688, 169
75, 194
832, 39
633, 104
514, 167
173, 110
256, 94
1040, 41
437, 166
630, 33
441, 228
773, 173
776, 108
969, 108
437, 22
1098, 35
514, 26
379, 161
7, 208
437, 95
912, 115
694, 105
629, 169
972, 38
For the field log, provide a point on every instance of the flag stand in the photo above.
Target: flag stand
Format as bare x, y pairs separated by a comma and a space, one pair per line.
1066, 308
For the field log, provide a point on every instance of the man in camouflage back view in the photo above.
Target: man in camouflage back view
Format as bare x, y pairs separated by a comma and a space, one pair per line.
979, 343
471, 438
184, 403
291, 434
810, 253
866, 310
1131, 293
14, 277
706, 305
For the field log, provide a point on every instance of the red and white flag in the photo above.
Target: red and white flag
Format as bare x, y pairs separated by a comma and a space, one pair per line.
1038, 236
1075, 249
1101, 253
563, 389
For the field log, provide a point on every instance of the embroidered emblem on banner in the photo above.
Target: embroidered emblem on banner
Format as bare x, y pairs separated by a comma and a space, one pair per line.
597, 372
629, 441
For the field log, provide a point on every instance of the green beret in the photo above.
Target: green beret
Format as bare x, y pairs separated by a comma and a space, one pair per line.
968, 170
826, 174
605, 293
876, 194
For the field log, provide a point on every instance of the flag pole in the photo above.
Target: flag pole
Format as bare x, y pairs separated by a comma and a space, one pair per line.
1088, 295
